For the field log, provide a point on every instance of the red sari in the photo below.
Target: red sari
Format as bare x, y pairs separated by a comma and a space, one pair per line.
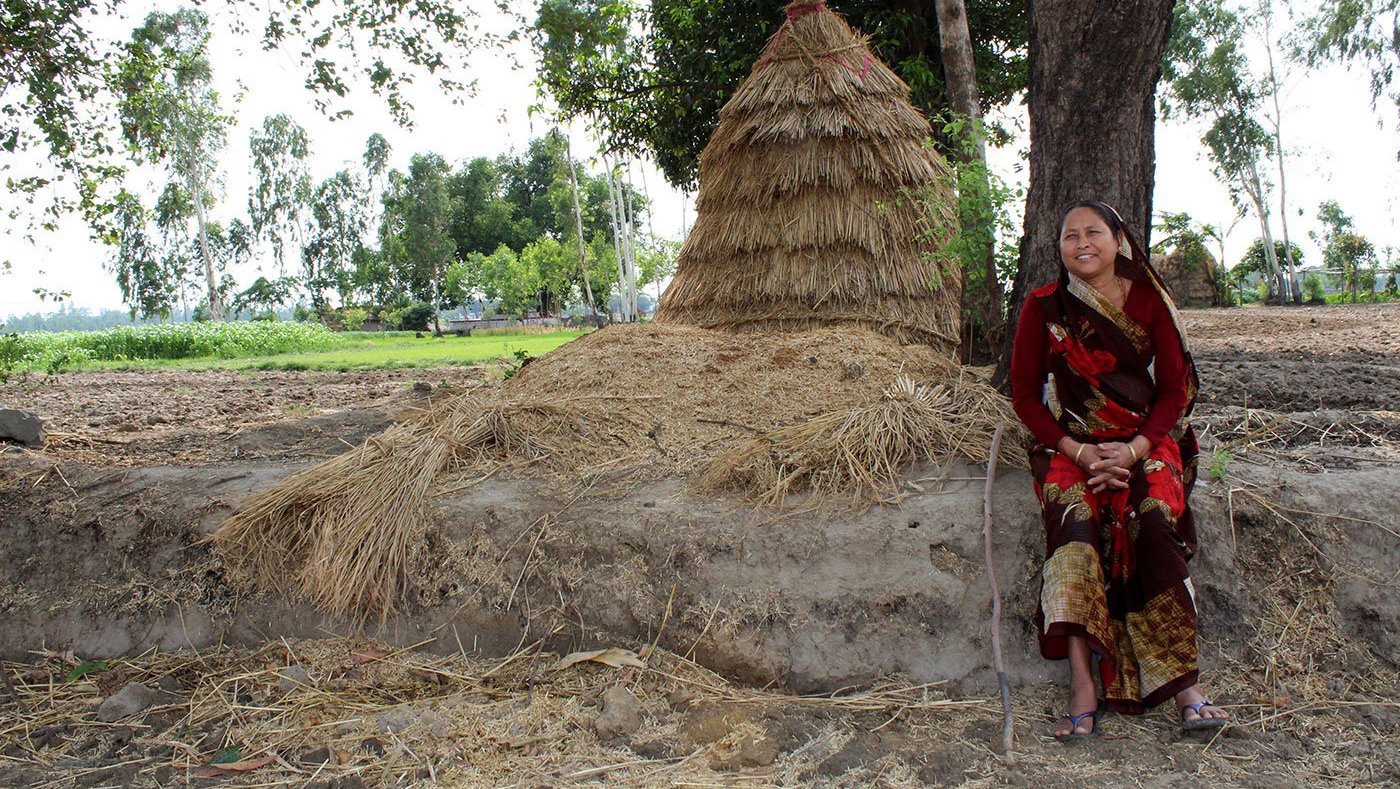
1115, 570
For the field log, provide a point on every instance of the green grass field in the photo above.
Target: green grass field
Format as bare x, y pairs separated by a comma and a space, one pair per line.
326, 351
359, 351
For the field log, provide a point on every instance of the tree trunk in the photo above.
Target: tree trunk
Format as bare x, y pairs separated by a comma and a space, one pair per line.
1297, 286
437, 303
1093, 82
1253, 187
629, 222
578, 227
960, 78
216, 309
615, 219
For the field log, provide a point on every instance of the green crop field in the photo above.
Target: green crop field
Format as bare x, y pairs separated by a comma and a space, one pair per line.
259, 345
363, 350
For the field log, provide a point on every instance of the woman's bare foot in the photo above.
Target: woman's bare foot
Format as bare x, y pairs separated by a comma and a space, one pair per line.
1197, 711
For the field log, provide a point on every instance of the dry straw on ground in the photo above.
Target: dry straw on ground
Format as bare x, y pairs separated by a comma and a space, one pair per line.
820, 203
862, 451
295, 713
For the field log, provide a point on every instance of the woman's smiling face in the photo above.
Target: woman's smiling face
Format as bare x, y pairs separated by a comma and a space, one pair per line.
1087, 246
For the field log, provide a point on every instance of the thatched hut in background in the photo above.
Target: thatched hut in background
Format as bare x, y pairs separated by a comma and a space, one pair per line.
1190, 278
820, 203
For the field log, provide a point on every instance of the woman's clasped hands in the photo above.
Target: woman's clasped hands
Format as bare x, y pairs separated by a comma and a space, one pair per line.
1109, 464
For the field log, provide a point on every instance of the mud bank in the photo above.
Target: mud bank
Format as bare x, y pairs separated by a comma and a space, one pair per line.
111, 563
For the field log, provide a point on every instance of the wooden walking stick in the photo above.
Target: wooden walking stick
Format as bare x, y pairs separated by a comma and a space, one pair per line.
996, 596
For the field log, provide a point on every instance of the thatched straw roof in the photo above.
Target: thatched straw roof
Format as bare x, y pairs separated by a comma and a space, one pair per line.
1191, 282
820, 202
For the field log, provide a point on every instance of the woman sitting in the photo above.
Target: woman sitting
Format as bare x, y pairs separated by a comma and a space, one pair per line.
1101, 376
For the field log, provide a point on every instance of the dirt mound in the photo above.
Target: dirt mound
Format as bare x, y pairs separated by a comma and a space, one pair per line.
340, 533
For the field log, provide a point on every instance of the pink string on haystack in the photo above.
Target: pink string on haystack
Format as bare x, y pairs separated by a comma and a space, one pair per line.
796, 11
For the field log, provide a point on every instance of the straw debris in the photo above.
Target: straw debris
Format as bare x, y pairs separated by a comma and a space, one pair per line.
862, 451
400, 716
342, 533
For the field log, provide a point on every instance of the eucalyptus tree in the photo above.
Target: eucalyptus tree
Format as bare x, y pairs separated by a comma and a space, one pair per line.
1209, 78
376, 169
171, 116
337, 236
177, 250
147, 287
59, 96
1265, 17
282, 190
1357, 32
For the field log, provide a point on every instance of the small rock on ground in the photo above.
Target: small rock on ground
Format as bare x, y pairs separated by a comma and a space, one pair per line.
621, 715
292, 677
21, 426
126, 702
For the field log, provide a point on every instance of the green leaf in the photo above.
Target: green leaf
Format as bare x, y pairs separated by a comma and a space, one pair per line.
228, 755
85, 668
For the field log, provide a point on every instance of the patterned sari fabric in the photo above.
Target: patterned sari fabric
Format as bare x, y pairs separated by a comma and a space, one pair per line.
1115, 570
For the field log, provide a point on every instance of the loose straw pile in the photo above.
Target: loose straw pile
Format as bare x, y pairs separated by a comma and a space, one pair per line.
342, 533
863, 451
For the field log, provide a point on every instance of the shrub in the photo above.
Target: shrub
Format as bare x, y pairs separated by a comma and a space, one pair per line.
353, 318
1313, 288
416, 317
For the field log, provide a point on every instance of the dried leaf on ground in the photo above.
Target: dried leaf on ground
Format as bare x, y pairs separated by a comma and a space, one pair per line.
612, 656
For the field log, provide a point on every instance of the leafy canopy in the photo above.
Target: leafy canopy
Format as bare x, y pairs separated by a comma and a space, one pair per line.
1360, 32
59, 95
652, 77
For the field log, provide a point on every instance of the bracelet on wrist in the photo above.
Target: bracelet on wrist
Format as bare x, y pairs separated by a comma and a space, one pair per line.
1078, 452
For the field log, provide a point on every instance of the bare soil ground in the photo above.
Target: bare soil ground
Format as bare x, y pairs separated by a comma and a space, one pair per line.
189, 418
1296, 585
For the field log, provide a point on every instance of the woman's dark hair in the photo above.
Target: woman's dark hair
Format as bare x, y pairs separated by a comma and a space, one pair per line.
1108, 215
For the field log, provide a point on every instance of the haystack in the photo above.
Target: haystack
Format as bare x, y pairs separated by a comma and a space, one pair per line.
820, 202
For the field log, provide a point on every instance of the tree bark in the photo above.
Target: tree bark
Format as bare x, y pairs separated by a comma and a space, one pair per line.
216, 308
578, 227
1297, 286
960, 78
619, 248
1254, 187
1094, 69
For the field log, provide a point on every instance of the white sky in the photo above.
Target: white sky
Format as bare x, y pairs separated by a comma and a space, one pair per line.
1336, 146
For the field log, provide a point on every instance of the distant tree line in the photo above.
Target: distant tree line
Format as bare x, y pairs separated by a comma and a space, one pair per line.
1351, 267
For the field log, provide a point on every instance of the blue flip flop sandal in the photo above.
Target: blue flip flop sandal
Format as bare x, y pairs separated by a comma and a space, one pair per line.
1074, 736
1200, 722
